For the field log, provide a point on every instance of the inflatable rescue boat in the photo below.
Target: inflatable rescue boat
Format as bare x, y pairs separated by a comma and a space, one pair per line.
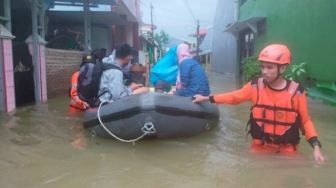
151, 115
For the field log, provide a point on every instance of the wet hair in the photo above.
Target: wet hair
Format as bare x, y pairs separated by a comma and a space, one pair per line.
103, 52
98, 53
123, 51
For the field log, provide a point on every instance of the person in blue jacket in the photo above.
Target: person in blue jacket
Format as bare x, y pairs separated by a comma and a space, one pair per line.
191, 78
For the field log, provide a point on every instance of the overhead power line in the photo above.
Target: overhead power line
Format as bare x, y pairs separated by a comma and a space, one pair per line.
143, 3
190, 11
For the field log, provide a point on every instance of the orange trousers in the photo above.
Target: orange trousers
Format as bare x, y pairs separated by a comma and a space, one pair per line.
261, 147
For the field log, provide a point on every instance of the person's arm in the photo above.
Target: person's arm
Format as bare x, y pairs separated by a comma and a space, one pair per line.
134, 86
120, 91
308, 128
73, 89
234, 97
185, 77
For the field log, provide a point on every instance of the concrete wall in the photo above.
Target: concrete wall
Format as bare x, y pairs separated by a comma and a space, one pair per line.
100, 38
2, 87
60, 65
8, 75
129, 34
307, 27
224, 44
133, 7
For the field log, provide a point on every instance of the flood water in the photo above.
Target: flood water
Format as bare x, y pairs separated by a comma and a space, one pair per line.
45, 146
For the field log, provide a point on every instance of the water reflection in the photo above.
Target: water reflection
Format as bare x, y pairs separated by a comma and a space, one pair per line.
46, 146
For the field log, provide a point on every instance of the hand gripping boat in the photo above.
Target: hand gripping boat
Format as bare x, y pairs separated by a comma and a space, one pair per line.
151, 115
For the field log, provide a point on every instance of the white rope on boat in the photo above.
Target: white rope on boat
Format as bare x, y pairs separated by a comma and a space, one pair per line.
148, 128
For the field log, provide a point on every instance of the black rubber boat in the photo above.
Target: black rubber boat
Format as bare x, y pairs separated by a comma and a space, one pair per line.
151, 115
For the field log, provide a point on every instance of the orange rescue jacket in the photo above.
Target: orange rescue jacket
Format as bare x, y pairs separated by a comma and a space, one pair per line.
276, 115
275, 122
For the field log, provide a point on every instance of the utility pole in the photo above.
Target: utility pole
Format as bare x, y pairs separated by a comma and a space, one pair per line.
197, 39
152, 27
87, 25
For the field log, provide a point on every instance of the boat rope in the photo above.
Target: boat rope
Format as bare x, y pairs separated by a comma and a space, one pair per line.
148, 128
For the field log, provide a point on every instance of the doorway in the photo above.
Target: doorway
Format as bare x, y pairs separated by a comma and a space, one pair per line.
22, 59
245, 49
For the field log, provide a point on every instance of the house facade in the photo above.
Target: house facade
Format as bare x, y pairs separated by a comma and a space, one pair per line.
306, 27
39, 44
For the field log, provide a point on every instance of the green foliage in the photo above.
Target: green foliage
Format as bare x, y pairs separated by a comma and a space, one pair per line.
251, 68
162, 39
296, 71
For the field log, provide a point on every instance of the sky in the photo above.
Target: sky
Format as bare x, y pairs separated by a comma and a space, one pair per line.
178, 17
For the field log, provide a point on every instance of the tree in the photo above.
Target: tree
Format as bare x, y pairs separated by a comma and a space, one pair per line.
162, 40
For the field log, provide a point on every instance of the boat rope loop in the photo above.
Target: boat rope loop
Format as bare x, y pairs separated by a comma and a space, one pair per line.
148, 128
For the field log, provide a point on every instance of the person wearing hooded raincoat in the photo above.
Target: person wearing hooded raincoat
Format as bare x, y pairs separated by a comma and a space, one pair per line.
191, 78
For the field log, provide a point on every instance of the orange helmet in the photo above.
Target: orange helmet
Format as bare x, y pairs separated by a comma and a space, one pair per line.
275, 53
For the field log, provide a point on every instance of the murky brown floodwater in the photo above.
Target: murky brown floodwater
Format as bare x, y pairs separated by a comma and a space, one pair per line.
45, 146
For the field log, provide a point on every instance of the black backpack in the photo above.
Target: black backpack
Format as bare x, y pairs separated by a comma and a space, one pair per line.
89, 81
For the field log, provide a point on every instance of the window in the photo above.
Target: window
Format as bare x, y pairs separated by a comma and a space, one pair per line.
261, 27
2, 8
245, 49
3, 18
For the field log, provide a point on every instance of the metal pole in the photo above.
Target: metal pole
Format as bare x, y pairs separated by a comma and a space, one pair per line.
152, 27
238, 46
87, 26
197, 40
3, 106
35, 52
7, 7
41, 18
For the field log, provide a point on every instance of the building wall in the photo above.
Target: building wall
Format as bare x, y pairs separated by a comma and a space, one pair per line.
2, 87
120, 35
133, 7
99, 38
133, 17
60, 65
100, 35
129, 34
307, 27
224, 44
135, 29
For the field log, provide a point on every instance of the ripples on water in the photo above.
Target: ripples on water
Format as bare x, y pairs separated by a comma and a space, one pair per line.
45, 146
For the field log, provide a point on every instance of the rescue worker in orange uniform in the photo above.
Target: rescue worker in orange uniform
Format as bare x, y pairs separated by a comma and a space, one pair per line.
279, 108
75, 101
